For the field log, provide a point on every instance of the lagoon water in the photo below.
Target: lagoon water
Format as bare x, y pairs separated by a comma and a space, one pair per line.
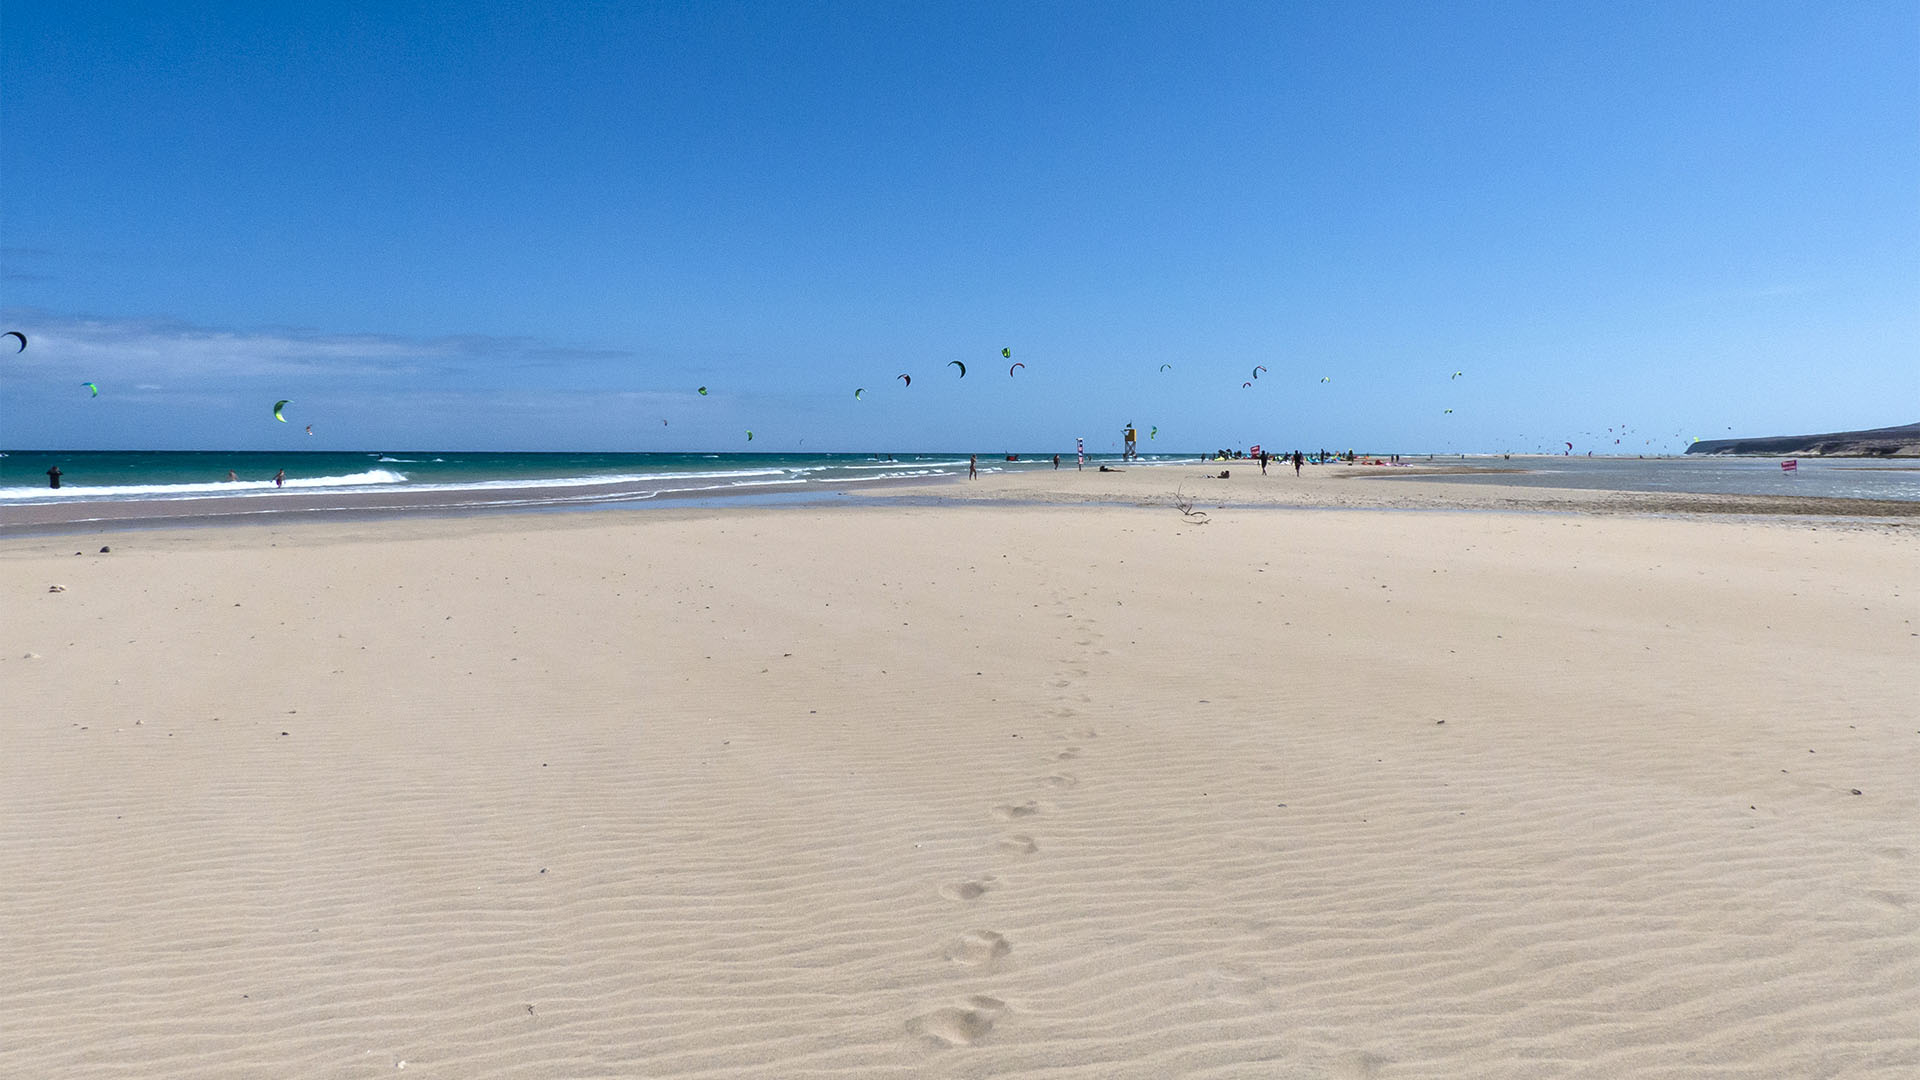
1829, 478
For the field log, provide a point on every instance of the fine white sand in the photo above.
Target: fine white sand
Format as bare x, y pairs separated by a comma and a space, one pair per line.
963, 791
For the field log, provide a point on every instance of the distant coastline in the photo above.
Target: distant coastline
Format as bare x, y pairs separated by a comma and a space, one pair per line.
1903, 441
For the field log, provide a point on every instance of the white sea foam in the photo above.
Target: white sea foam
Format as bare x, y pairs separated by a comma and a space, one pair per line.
87, 493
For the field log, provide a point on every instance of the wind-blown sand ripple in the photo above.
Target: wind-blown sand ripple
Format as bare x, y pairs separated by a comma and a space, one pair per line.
963, 792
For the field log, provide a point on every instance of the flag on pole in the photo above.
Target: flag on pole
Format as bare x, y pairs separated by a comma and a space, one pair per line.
1789, 465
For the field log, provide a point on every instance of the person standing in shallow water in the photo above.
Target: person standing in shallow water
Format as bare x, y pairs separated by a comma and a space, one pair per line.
280, 478
53, 477
973, 467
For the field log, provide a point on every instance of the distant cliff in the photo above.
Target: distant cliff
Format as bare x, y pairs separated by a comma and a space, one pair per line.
1903, 441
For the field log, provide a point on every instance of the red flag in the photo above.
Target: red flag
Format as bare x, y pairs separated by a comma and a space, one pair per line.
1789, 465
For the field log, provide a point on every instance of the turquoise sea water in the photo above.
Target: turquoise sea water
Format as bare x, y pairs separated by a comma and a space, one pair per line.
114, 476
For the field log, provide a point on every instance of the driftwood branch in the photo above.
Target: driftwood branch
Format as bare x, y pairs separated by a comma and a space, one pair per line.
1184, 503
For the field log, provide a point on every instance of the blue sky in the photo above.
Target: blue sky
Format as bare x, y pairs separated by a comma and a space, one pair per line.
474, 226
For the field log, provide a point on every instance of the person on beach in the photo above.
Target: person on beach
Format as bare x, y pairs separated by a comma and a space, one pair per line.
1080, 453
53, 477
1056, 462
232, 476
1263, 462
973, 467
1298, 458
280, 478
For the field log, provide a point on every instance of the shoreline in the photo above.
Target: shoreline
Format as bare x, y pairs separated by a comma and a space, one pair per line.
1324, 487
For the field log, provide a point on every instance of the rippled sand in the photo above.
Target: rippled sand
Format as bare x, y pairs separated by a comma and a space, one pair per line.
963, 791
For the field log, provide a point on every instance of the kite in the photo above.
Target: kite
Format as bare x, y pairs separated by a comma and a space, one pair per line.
1326, 378
961, 366
1455, 375
1153, 433
1449, 412
1166, 368
90, 386
309, 429
1006, 354
858, 393
277, 406
1244, 385
749, 436
1010, 370
1569, 446
703, 391
21, 336
908, 379
1257, 369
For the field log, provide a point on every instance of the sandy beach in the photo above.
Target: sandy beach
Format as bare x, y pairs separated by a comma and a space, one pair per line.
1033, 777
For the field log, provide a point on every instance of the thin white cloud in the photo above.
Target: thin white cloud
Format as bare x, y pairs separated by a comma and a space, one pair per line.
160, 349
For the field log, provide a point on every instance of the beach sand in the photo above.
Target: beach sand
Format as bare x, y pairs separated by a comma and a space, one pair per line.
1015, 788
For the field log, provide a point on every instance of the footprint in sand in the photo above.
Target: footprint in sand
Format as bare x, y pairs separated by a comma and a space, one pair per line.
1241, 986
1068, 754
1061, 780
964, 1026
978, 948
1015, 813
1019, 844
966, 890
1358, 1065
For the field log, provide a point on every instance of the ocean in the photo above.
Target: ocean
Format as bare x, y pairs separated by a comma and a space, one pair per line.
504, 479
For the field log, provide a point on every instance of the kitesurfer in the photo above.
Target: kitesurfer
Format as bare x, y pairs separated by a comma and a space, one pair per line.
53, 477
